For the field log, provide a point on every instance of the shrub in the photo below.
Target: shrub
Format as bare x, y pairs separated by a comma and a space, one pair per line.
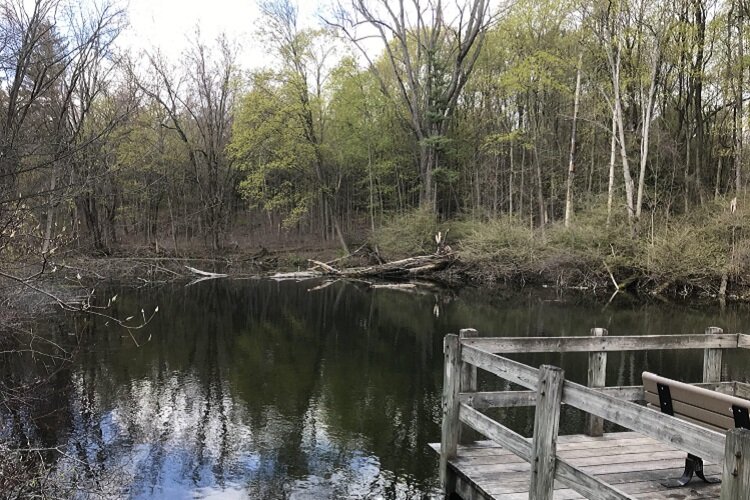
506, 239
411, 233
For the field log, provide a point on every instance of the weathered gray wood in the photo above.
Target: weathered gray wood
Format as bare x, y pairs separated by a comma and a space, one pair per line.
735, 480
502, 399
618, 467
626, 393
470, 491
546, 427
684, 435
468, 371
511, 399
507, 345
627, 485
497, 432
482, 463
451, 387
597, 377
468, 380
588, 485
510, 440
599, 464
712, 359
513, 371
742, 390
600, 455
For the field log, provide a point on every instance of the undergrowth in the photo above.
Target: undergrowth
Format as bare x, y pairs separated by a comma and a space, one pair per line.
659, 253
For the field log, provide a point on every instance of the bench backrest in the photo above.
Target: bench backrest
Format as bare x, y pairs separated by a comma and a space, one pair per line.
696, 404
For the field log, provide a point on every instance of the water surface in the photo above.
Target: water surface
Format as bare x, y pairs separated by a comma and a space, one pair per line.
261, 389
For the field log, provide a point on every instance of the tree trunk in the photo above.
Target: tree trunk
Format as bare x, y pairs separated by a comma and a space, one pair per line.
571, 162
645, 130
740, 123
629, 187
612, 156
50, 214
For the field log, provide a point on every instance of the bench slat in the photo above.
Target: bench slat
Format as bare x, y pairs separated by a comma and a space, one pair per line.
710, 400
698, 413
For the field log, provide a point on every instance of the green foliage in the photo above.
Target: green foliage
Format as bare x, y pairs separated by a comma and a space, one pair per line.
503, 239
411, 233
271, 148
684, 252
694, 250
702, 246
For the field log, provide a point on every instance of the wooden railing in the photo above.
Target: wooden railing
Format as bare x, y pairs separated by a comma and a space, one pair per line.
548, 389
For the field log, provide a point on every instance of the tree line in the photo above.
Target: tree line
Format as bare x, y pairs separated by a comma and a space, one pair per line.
537, 110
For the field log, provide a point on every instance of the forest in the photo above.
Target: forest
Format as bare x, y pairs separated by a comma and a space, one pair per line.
588, 143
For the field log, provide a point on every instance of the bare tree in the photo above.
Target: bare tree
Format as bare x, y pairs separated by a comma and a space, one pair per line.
56, 60
430, 57
200, 104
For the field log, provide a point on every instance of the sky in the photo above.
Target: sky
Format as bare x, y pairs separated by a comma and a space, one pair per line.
169, 24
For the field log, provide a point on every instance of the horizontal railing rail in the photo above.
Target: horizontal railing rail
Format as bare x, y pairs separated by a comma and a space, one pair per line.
510, 345
511, 399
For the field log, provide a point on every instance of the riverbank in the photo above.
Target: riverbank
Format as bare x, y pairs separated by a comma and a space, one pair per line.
704, 256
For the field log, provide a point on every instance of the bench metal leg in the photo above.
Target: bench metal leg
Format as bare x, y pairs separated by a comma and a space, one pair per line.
693, 466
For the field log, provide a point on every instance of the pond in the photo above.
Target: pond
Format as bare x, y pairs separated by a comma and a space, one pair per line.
264, 389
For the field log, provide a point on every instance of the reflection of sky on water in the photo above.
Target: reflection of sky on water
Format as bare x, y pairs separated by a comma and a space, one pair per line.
266, 390
168, 440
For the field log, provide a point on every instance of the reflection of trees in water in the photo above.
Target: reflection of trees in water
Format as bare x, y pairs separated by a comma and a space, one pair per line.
267, 389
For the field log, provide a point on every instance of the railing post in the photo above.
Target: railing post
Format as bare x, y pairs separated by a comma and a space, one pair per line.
712, 359
735, 479
597, 378
546, 427
468, 383
451, 389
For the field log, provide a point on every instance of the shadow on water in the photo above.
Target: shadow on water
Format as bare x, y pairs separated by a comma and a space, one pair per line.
258, 389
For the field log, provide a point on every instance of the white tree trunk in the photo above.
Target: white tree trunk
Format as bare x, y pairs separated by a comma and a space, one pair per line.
645, 129
571, 163
629, 185
612, 156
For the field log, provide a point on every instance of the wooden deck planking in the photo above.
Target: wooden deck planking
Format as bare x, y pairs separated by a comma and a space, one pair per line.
634, 463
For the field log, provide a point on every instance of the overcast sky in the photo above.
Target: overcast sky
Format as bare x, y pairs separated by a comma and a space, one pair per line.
168, 25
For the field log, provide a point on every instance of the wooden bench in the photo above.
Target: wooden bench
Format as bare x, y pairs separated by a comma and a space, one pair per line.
717, 411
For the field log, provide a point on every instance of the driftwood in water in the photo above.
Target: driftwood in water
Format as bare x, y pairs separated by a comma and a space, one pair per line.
404, 268
204, 275
410, 268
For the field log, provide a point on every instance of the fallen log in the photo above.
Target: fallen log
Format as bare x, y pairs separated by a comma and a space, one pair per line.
206, 274
297, 275
411, 267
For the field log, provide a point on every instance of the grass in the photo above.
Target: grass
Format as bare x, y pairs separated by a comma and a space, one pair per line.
659, 253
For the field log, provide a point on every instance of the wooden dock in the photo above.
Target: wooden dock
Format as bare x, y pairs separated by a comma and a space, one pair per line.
594, 465
634, 463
